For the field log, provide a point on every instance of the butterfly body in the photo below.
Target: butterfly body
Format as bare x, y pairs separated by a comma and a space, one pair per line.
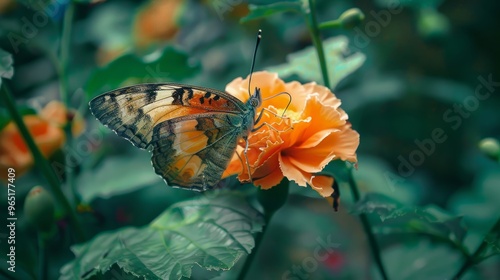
192, 132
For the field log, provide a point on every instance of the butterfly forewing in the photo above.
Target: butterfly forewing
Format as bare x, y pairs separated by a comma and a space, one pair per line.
132, 112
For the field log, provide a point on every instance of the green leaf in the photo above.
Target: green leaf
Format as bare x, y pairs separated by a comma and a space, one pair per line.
162, 66
429, 220
305, 62
211, 232
492, 239
479, 205
118, 174
6, 68
261, 11
378, 203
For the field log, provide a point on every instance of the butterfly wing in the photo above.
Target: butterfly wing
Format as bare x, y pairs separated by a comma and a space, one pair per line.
133, 112
193, 151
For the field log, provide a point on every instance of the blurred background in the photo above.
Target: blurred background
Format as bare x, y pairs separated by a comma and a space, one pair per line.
420, 81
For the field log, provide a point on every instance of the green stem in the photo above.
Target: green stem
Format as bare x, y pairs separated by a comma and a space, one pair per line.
65, 95
271, 200
64, 52
372, 241
42, 163
476, 257
312, 24
42, 257
331, 24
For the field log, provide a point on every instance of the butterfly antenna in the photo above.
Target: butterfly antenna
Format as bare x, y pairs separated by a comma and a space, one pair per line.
259, 36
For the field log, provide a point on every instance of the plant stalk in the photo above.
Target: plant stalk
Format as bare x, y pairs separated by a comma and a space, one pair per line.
372, 241
476, 257
312, 24
64, 59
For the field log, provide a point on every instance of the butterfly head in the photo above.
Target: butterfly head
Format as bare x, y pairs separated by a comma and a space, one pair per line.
256, 98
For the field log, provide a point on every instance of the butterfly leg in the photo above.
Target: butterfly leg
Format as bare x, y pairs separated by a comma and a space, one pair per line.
245, 152
265, 123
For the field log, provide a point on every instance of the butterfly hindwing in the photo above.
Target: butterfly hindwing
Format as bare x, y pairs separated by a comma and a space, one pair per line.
193, 151
132, 112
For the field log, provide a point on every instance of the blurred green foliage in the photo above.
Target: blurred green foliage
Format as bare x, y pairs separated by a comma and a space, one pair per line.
410, 68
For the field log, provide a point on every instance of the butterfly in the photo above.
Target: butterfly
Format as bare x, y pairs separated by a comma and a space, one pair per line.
192, 132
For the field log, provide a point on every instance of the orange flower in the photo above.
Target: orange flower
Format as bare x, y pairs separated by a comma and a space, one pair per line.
313, 131
47, 132
56, 113
157, 21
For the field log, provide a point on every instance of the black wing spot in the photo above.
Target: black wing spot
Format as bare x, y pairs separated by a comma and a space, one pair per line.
216, 97
177, 95
190, 92
151, 97
202, 100
207, 95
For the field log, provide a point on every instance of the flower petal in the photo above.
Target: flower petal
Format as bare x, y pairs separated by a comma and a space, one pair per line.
322, 184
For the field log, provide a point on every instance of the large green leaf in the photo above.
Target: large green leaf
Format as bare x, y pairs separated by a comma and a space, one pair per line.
430, 220
211, 231
169, 64
305, 62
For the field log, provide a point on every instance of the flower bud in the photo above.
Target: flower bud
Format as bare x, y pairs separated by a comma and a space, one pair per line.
490, 147
351, 18
39, 209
